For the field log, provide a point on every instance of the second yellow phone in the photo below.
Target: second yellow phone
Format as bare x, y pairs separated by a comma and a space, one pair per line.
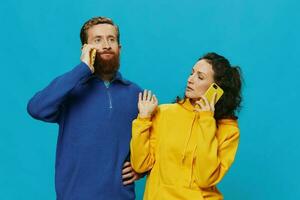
209, 94
92, 56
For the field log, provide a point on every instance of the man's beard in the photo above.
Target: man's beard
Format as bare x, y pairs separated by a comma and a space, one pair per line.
107, 66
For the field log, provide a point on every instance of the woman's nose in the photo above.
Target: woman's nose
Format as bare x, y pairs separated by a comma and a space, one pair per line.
190, 79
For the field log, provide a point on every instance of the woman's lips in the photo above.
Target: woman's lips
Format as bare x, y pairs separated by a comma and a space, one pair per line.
189, 88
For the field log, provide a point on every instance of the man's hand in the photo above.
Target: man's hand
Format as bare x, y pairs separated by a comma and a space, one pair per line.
85, 55
128, 174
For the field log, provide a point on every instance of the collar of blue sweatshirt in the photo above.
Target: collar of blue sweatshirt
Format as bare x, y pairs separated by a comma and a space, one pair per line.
118, 77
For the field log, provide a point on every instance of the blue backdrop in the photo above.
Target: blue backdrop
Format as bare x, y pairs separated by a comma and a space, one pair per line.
161, 40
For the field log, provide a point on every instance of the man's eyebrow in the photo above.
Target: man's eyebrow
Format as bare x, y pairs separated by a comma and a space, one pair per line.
100, 36
112, 36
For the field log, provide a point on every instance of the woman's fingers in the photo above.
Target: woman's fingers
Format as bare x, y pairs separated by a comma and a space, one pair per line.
200, 104
213, 102
154, 99
197, 110
147, 104
140, 97
145, 95
205, 100
149, 97
205, 105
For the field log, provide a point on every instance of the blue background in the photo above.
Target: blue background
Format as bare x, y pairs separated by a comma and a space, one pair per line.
161, 40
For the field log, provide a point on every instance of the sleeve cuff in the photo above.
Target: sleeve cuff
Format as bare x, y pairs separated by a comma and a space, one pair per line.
147, 119
84, 68
205, 114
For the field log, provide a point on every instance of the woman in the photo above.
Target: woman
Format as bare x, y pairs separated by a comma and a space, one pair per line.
188, 146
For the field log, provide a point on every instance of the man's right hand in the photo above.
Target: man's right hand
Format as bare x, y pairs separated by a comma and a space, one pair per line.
85, 55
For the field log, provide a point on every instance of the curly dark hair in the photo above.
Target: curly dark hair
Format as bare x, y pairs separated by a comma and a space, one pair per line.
229, 78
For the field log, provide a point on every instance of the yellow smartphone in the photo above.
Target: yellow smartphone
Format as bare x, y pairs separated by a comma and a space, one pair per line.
209, 94
92, 56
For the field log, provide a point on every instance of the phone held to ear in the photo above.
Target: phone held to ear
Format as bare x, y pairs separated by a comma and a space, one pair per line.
209, 94
92, 56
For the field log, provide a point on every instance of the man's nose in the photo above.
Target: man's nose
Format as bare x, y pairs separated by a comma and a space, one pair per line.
106, 45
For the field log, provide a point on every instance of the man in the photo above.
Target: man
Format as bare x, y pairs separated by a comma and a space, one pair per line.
94, 107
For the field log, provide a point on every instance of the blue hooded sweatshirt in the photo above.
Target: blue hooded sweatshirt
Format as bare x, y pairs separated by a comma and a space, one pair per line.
94, 133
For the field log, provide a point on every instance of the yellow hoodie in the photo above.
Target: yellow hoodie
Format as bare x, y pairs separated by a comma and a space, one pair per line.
185, 151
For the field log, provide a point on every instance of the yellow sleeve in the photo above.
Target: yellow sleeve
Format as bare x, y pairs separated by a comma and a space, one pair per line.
216, 149
143, 142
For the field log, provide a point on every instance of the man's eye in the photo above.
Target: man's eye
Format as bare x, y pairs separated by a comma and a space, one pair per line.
98, 40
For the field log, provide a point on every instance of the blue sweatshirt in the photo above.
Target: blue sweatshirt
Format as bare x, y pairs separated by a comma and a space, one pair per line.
94, 133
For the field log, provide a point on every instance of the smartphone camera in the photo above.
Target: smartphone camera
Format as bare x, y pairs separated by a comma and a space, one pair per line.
215, 86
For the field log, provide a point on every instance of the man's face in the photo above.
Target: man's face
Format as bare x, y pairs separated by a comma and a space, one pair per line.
104, 36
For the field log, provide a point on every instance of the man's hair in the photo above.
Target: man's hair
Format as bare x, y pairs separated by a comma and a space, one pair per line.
94, 21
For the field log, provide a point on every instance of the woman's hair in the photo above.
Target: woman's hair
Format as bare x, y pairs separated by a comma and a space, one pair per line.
229, 79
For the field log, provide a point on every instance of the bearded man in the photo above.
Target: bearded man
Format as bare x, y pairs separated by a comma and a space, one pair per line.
94, 107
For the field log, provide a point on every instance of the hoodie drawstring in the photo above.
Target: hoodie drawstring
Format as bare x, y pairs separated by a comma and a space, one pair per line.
188, 139
192, 166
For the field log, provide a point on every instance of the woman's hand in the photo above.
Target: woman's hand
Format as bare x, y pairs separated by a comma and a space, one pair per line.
147, 104
205, 105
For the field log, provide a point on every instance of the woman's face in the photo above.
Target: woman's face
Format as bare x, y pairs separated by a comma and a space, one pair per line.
199, 80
